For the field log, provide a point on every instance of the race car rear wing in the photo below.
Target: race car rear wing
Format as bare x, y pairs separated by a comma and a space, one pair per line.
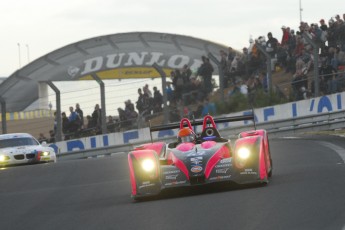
200, 122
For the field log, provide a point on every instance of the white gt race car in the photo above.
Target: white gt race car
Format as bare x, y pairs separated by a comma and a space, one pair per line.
22, 148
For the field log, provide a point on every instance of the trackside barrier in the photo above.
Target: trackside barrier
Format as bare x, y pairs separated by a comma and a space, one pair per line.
279, 128
267, 117
125, 148
296, 126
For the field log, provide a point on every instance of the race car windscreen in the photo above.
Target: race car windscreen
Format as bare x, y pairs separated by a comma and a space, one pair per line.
22, 141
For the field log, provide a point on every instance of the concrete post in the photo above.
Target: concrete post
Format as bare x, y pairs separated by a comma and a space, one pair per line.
43, 96
165, 97
58, 134
103, 106
3, 115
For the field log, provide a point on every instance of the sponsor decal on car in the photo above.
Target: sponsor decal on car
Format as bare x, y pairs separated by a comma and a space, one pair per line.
196, 169
172, 172
223, 166
225, 160
146, 184
196, 160
220, 177
198, 153
248, 172
175, 183
221, 170
171, 177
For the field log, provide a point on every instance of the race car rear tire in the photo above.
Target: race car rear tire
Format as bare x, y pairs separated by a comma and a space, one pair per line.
271, 162
271, 171
138, 199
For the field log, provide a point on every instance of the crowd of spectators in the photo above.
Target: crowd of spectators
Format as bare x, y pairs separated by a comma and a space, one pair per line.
244, 73
294, 54
74, 125
189, 88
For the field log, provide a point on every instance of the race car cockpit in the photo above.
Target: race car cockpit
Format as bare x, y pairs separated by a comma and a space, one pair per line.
186, 133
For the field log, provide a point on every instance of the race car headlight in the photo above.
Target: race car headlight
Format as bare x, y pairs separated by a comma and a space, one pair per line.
148, 165
44, 154
243, 153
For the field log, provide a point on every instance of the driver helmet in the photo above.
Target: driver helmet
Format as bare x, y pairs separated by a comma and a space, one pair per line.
186, 135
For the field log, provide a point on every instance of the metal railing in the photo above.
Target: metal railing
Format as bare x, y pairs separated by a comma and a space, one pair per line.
279, 128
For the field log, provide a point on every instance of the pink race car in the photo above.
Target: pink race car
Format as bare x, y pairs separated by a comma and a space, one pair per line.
199, 159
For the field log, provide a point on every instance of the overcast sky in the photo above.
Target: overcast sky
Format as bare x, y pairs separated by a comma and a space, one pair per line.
33, 28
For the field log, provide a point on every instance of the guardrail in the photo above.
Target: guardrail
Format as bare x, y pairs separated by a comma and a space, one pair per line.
279, 128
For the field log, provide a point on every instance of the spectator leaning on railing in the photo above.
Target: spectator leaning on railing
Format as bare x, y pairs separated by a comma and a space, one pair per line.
177, 81
41, 138
131, 114
74, 120
97, 118
140, 101
51, 136
111, 125
65, 125
157, 100
80, 112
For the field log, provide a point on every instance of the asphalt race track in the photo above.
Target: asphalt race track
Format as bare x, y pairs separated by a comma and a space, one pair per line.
307, 191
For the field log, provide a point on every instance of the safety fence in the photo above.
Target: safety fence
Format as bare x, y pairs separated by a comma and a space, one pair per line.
275, 129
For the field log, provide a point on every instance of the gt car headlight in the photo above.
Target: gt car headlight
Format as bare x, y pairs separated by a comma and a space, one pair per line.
2, 158
148, 165
243, 153
44, 154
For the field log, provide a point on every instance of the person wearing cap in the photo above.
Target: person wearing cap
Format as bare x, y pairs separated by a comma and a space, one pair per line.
271, 48
271, 44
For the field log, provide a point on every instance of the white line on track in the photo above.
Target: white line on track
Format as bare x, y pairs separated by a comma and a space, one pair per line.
339, 150
106, 155
290, 138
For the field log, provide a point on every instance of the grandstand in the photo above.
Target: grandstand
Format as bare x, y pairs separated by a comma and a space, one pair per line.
292, 62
